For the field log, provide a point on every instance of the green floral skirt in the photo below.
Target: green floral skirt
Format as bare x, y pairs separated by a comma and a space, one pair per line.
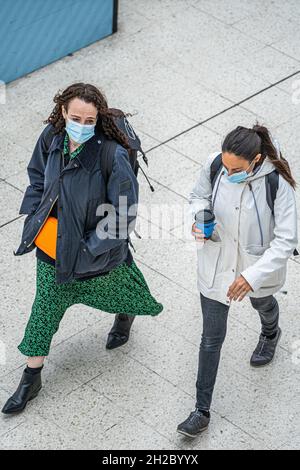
122, 290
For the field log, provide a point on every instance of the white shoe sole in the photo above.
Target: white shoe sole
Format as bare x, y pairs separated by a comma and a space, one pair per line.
191, 435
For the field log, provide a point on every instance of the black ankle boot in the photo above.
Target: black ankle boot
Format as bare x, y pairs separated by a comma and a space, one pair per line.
28, 388
119, 334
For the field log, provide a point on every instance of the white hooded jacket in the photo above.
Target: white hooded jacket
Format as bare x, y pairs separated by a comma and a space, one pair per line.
248, 240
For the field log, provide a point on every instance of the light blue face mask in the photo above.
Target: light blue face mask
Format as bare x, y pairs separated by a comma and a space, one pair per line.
239, 177
79, 133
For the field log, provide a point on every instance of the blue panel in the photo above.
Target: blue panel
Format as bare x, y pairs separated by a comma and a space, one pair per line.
16, 14
36, 32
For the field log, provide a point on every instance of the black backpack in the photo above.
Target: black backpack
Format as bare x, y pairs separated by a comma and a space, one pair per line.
135, 148
108, 152
271, 181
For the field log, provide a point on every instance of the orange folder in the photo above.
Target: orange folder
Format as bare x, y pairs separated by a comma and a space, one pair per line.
46, 238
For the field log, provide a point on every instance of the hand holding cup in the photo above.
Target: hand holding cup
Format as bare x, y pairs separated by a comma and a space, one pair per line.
198, 234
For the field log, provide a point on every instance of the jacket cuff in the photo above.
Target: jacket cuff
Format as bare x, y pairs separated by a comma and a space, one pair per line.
250, 275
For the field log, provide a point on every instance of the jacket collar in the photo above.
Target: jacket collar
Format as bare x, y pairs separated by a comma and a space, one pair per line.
265, 168
87, 156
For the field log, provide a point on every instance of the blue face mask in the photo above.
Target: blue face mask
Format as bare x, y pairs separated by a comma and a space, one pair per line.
239, 177
79, 133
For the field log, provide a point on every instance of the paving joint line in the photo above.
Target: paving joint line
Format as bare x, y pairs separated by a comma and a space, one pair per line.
248, 98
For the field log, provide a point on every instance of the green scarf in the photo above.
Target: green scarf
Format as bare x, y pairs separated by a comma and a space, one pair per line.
67, 149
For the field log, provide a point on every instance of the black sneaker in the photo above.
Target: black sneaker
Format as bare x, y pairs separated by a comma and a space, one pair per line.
196, 423
265, 350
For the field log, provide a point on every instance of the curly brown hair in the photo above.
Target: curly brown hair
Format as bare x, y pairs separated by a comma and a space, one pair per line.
90, 94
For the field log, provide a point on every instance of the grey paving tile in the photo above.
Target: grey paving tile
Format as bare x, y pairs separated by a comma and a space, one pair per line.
144, 395
178, 256
279, 112
233, 12
16, 157
269, 31
8, 423
237, 116
11, 199
197, 144
133, 434
22, 128
291, 86
38, 434
288, 43
83, 356
268, 64
239, 404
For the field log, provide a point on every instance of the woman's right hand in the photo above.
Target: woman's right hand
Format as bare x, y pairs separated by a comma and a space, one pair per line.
198, 234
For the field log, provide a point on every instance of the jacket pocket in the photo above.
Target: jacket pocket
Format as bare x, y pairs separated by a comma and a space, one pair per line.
27, 233
255, 250
208, 262
250, 255
86, 262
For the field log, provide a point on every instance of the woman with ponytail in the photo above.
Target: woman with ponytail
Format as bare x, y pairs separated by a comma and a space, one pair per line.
245, 254
76, 261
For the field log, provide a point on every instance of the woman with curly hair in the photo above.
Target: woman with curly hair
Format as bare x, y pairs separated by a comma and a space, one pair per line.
82, 252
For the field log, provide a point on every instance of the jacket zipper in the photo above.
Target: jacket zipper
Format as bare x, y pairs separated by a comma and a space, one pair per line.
219, 180
44, 222
257, 214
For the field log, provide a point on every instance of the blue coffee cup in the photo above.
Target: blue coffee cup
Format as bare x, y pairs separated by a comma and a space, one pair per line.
205, 221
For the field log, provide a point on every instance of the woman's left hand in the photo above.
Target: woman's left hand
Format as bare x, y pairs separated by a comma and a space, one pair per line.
238, 289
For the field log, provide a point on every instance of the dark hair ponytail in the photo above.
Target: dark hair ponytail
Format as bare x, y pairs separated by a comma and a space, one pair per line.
247, 143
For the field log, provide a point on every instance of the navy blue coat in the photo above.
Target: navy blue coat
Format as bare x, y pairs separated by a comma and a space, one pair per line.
80, 188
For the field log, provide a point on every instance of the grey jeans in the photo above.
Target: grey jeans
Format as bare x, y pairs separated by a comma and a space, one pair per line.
215, 316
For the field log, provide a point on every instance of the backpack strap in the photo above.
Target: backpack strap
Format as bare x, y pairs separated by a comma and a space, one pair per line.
272, 183
106, 164
215, 169
106, 158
